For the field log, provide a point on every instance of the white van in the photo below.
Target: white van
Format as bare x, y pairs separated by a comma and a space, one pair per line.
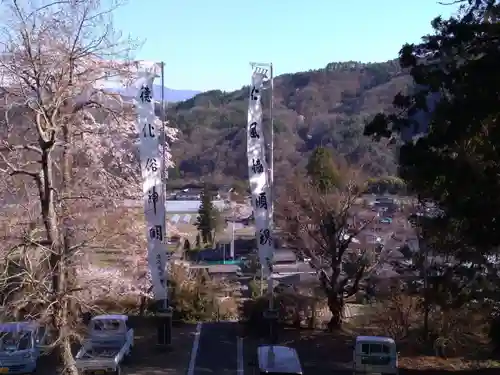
375, 354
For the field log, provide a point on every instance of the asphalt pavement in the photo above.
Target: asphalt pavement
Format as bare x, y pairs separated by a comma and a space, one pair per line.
218, 351
148, 359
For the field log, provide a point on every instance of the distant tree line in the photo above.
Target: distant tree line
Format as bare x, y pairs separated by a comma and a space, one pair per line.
385, 185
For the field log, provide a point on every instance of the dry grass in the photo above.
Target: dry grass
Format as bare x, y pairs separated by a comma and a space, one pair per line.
325, 353
457, 339
124, 233
451, 364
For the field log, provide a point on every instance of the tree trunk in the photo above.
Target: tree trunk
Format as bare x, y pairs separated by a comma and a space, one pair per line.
50, 220
66, 355
68, 306
46, 195
336, 306
335, 296
57, 266
312, 319
65, 218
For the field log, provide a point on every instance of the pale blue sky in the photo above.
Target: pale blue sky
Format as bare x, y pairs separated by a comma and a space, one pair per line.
209, 44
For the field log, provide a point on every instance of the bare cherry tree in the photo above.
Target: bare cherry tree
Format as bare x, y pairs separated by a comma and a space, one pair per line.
67, 150
322, 226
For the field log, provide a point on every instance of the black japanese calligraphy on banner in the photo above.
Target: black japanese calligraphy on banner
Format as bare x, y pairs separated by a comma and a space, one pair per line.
253, 130
265, 237
156, 232
151, 158
153, 198
255, 94
258, 171
152, 164
148, 130
160, 268
261, 201
146, 95
257, 166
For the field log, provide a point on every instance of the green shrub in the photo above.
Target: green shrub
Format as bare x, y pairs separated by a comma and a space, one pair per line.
254, 287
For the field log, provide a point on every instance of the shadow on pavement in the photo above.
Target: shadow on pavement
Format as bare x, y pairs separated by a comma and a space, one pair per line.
149, 359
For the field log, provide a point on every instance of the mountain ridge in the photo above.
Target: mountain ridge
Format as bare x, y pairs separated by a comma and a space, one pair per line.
170, 95
326, 107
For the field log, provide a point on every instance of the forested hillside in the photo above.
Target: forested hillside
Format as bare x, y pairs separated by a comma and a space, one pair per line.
320, 107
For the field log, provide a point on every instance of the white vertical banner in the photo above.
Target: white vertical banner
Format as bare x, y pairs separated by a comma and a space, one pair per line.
151, 159
258, 172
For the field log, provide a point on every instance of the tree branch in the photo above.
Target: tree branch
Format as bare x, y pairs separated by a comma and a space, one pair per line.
14, 171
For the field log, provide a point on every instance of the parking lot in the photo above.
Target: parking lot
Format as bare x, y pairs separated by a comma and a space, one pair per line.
148, 359
221, 348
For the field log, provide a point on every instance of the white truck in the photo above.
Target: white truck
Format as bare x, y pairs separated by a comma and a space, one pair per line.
110, 341
21, 345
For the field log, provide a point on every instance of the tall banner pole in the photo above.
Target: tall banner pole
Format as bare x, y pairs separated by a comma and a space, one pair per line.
272, 314
270, 282
149, 131
152, 162
271, 161
163, 164
165, 314
260, 179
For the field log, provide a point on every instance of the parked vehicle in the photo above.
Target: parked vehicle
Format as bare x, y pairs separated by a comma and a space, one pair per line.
278, 360
375, 354
21, 344
110, 341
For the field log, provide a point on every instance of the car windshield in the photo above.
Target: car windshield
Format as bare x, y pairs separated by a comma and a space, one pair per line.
12, 341
374, 349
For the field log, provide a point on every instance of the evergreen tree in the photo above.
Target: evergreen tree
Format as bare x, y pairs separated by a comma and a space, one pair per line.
322, 170
207, 216
174, 173
449, 124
